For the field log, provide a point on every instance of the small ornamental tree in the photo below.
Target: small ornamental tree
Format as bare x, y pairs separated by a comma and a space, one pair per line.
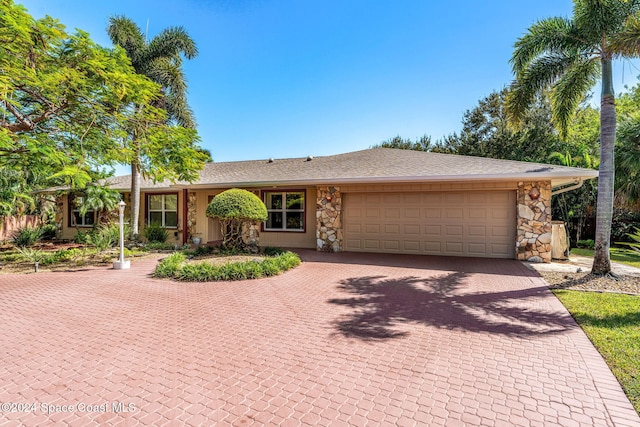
233, 208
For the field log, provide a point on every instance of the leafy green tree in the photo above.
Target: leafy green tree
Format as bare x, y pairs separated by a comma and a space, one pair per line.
164, 144
486, 131
62, 100
569, 55
234, 207
628, 159
581, 149
15, 197
421, 144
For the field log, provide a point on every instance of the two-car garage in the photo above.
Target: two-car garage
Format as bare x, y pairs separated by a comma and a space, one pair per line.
455, 223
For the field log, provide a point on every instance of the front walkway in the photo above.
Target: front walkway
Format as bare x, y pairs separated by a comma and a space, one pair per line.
343, 339
583, 263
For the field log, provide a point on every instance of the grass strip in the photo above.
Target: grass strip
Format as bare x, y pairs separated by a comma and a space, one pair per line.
612, 323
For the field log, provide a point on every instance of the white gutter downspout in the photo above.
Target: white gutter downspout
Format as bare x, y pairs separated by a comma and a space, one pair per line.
575, 186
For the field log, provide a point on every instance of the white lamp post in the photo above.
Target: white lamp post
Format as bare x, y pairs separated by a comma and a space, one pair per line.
121, 264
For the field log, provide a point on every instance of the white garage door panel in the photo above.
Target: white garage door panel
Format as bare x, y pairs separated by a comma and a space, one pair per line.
471, 223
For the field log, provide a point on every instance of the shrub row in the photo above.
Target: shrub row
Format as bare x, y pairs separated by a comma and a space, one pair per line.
586, 244
25, 237
55, 257
176, 267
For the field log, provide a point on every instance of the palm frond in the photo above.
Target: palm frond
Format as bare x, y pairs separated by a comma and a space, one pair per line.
126, 34
161, 61
545, 37
182, 114
600, 18
99, 198
627, 41
539, 74
169, 74
571, 89
171, 42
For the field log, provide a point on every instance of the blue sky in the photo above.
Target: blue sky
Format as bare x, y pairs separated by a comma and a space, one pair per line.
291, 78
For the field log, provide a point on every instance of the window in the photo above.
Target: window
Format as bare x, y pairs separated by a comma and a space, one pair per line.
162, 209
286, 211
78, 220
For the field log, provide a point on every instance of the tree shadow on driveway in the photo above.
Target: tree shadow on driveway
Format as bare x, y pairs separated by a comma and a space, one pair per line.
382, 305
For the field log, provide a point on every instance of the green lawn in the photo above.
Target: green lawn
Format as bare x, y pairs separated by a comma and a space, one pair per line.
623, 256
612, 323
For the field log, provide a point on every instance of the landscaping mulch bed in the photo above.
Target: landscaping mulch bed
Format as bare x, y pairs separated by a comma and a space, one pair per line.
24, 267
585, 281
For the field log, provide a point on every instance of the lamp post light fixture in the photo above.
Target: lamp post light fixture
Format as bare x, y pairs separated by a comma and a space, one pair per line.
121, 264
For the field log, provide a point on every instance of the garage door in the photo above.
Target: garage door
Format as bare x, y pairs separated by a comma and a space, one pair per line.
470, 223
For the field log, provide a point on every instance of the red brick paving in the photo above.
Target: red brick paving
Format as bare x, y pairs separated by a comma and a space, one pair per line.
345, 339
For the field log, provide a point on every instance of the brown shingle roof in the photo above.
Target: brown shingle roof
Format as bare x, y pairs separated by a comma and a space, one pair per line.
371, 165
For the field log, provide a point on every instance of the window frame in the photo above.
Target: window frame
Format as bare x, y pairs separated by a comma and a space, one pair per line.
284, 211
164, 210
72, 212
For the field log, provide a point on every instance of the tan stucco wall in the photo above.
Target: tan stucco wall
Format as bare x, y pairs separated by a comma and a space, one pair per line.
203, 223
267, 238
292, 239
175, 235
69, 233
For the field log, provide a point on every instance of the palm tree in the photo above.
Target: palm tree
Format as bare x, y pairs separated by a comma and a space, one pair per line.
569, 55
160, 59
100, 199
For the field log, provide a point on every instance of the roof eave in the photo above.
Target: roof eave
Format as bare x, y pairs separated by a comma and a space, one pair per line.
557, 178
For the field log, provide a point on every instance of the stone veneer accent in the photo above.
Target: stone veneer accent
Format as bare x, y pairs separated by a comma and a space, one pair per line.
251, 230
59, 216
251, 234
191, 215
533, 236
329, 219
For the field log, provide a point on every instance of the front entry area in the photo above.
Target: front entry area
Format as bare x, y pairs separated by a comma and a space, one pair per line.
472, 223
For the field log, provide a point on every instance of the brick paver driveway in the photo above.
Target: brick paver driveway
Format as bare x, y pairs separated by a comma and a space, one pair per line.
345, 339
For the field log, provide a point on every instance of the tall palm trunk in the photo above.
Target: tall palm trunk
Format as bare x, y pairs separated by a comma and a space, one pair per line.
604, 212
135, 194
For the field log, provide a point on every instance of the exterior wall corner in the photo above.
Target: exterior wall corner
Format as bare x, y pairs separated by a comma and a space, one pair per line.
533, 234
329, 219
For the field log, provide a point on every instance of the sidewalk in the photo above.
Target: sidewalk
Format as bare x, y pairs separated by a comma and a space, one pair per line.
581, 262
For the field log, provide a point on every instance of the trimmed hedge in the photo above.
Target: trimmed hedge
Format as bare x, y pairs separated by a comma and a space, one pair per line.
237, 204
176, 267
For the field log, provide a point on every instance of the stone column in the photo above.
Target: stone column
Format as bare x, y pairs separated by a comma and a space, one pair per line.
533, 236
191, 215
329, 219
251, 234
59, 221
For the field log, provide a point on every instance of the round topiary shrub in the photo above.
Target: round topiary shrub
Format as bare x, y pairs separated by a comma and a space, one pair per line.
234, 207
